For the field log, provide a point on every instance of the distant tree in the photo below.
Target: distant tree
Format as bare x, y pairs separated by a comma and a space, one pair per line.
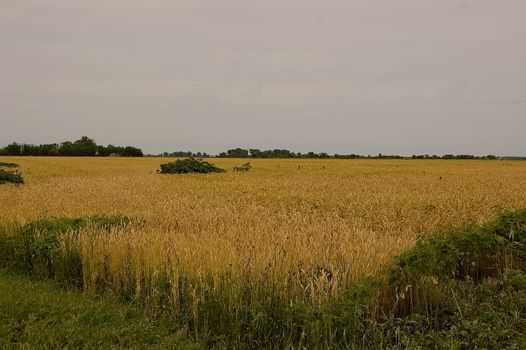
13, 149
85, 147
114, 150
66, 149
102, 151
29, 150
255, 153
237, 153
130, 151
465, 156
47, 150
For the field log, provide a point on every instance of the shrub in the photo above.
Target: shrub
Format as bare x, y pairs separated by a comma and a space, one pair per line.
189, 165
9, 165
10, 177
243, 168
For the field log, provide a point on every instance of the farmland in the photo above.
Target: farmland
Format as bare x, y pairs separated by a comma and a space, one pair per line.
222, 249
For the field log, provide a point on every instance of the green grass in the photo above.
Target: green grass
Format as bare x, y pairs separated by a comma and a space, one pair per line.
39, 314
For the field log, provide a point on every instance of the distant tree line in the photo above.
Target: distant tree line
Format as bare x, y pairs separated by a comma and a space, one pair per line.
83, 147
451, 156
284, 153
184, 154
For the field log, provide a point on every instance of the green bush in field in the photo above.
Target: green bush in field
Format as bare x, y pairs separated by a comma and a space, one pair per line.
9, 165
190, 165
7, 176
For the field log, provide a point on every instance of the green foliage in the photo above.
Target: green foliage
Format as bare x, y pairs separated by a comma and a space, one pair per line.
490, 315
185, 154
237, 153
285, 153
189, 165
243, 168
13, 177
512, 227
13, 149
130, 151
119, 151
460, 289
9, 165
83, 147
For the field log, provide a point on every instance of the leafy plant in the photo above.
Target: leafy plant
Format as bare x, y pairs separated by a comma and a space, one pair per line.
189, 165
9, 165
7, 176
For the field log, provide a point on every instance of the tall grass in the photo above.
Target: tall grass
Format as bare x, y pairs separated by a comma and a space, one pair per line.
47, 248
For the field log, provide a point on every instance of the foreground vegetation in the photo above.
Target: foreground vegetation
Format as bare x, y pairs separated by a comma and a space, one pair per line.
464, 288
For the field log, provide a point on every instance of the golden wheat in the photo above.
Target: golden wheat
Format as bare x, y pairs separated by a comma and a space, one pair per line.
308, 226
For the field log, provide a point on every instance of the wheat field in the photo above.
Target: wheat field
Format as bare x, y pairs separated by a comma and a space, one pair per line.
303, 229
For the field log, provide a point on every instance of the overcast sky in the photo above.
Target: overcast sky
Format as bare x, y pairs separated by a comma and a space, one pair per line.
368, 76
